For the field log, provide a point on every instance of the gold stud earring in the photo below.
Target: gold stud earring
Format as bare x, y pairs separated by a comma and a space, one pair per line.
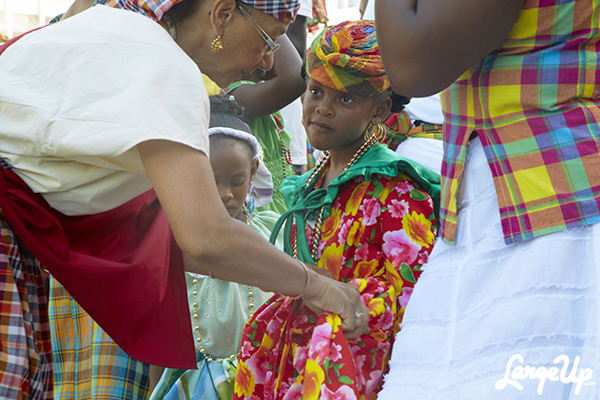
217, 44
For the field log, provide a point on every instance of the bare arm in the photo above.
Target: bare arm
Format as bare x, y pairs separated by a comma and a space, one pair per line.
77, 7
427, 44
272, 95
229, 249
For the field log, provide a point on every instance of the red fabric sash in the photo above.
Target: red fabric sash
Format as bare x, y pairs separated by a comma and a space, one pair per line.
122, 266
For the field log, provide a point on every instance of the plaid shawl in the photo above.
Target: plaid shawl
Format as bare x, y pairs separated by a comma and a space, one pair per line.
346, 58
535, 103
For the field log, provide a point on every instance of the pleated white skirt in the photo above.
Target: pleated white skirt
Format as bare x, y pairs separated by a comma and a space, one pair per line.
481, 302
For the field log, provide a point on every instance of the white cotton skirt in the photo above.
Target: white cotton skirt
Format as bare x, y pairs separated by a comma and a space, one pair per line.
493, 321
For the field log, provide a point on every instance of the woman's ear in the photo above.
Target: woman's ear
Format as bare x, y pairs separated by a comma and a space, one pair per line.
253, 169
221, 14
382, 110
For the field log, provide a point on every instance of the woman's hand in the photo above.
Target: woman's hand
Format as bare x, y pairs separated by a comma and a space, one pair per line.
339, 298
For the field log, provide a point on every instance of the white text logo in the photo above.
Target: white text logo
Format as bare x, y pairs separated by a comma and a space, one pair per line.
522, 372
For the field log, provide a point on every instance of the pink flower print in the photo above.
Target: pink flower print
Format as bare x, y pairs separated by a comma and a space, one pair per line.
405, 297
344, 229
246, 349
398, 208
335, 352
386, 320
354, 349
300, 357
404, 187
359, 363
362, 253
374, 378
319, 343
399, 247
344, 392
259, 367
371, 210
366, 297
423, 258
295, 392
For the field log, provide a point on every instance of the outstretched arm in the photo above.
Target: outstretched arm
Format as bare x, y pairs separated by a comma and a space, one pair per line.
427, 44
229, 249
272, 95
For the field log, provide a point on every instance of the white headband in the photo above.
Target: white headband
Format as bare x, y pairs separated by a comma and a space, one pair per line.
261, 187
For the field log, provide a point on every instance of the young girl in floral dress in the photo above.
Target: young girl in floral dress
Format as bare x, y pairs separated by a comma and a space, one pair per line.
364, 214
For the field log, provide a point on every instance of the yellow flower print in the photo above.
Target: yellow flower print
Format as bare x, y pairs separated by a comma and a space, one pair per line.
376, 306
335, 322
330, 225
379, 335
332, 259
355, 233
387, 189
265, 346
356, 198
364, 269
244, 380
393, 276
313, 379
418, 228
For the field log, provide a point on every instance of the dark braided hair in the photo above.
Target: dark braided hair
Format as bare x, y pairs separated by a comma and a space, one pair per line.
226, 112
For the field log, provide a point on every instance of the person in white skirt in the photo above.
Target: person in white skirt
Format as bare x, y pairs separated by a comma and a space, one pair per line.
507, 307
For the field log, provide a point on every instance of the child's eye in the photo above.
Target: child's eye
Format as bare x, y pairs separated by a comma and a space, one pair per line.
347, 99
315, 91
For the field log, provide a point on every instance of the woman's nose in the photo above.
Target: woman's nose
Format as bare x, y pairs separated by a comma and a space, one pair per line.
267, 62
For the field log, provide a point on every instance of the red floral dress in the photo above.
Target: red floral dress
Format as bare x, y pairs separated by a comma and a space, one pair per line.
377, 236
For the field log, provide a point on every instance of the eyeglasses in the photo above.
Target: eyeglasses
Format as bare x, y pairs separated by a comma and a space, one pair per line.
273, 47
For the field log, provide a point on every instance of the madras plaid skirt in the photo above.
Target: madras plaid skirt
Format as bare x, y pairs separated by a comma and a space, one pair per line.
25, 349
88, 364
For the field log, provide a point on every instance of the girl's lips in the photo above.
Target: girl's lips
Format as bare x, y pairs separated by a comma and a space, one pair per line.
320, 125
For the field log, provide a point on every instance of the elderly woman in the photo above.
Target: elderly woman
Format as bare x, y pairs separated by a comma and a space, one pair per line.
94, 112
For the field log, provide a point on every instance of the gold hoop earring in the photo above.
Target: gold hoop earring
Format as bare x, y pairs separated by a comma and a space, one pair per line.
217, 44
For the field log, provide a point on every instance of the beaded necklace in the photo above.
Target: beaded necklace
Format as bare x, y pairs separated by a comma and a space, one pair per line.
286, 154
316, 233
197, 327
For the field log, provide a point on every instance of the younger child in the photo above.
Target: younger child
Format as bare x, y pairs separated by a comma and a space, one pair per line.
219, 309
363, 213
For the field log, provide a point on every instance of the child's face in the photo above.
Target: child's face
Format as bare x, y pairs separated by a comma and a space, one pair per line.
233, 171
335, 119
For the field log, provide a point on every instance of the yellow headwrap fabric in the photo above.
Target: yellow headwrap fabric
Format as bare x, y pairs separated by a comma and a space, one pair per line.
346, 58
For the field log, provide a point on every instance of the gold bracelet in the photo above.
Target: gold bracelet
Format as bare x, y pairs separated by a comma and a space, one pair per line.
305, 287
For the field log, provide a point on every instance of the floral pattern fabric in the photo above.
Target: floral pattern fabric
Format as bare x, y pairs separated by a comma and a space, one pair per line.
377, 236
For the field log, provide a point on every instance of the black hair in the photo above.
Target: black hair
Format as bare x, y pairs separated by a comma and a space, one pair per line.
398, 101
227, 113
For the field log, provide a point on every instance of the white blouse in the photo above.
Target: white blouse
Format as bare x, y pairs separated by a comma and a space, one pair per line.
77, 97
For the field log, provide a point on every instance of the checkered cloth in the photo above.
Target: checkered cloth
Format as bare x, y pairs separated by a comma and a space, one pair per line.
535, 103
154, 9
346, 58
88, 364
284, 10
25, 350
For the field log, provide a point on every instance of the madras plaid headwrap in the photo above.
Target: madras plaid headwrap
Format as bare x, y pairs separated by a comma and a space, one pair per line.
283, 10
346, 58
535, 104
154, 9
